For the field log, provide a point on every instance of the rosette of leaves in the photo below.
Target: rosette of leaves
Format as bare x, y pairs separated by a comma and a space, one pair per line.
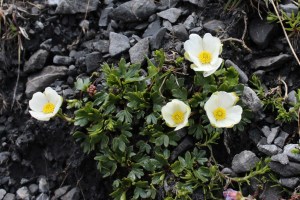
122, 124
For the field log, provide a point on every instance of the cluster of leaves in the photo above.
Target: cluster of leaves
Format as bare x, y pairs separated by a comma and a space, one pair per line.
122, 123
277, 102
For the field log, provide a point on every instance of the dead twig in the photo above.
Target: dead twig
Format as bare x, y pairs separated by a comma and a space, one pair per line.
284, 31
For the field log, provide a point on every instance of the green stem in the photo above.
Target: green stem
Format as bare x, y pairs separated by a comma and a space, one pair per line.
64, 117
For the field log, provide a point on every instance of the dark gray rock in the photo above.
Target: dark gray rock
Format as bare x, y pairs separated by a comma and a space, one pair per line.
134, 10
288, 151
43, 185
46, 45
139, 51
75, 6
255, 135
289, 182
183, 146
261, 32
292, 97
104, 19
36, 61
214, 26
280, 140
101, 45
229, 172
68, 92
199, 3
180, 32
289, 9
4, 157
270, 192
61, 191
156, 40
73, 194
41, 80
118, 43
169, 3
23, 193
266, 130
42, 196
2, 193
190, 21
269, 149
251, 100
273, 134
9, 196
24, 139
33, 188
243, 77
291, 169
92, 61
168, 25
152, 29
244, 161
172, 14
270, 63
281, 158
62, 60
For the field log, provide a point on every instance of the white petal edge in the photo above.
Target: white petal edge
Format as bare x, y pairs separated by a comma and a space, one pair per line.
37, 101
211, 43
194, 44
214, 68
58, 105
41, 116
51, 95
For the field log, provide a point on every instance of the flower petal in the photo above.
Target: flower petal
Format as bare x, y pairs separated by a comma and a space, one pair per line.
58, 105
37, 102
194, 44
41, 116
235, 114
167, 112
51, 95
226, 100
214, 68
211, 43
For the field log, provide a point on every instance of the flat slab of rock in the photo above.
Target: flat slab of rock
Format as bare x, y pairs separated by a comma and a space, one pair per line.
289, 182
244, 161
118, 43
172, 14
214, 26
36, 61
75, 6
251, 100
270, 63
41, 80
282, 158
139, 51
288, 151
135, 10
243, 77
291, 169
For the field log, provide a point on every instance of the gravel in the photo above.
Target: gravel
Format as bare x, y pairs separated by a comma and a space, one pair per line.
244, 161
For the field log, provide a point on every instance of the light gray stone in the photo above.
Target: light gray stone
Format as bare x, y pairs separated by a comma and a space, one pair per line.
180, 32
171, 14
244, 161
269, 149
41, 80
134, 10
291, 169
282, 158
75, 6
101, 45
214, 26
292, 97
190, 21
62, 60
4, 157
169, 3
33, 188
251, 100
288, 151
229, 172
289, 182
23, 193
104, 18
270, 63
273, 134
61, 191
199, 3
73, 194
156, 40
43, 185
36, 61
9, 196
2, 193
152, 29
139, 51
118, 43
243, 77
289, 9
266, 130
280, 140
42, 196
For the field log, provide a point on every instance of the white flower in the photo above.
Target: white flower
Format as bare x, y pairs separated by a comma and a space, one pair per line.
221, 110
45, 105
176, 114
204, 53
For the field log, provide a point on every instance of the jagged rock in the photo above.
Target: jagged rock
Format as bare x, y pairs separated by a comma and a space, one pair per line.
44, 78
2, 193
269, 149
292, 97
261, 32
289, 170
23, 193
101, 45
172, 14
24, 139
289, 182
251, 100
255, 135
229, 172
72, 195
42, 196
199, 3
9, 196
104, 17
118, 43
270, 63
152, 29
288, 151
282, 158
139, 51
243, 77
4, 157
280, 140
75, 6
156, 40
135, 10
190, 21
266, 130
214, 26
289, 9
273, 134
180, 32
270, 192
36, 61
62, 60
92, 61
169, 3
33, 188
244, 161
61, 191
43, 185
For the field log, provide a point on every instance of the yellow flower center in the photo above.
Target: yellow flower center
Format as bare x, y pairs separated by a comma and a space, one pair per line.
219, 113
48, 108
178, 117
205, 57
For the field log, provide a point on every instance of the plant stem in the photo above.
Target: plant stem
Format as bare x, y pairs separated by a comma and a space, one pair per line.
64, 117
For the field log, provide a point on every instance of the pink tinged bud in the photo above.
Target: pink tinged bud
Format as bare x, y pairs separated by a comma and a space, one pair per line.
231, 194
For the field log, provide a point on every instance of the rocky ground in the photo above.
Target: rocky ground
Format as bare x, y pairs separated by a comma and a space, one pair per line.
68, 38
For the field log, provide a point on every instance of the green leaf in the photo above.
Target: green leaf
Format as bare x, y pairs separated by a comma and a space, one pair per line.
124, 116
151, 119
82, 84
135, 173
